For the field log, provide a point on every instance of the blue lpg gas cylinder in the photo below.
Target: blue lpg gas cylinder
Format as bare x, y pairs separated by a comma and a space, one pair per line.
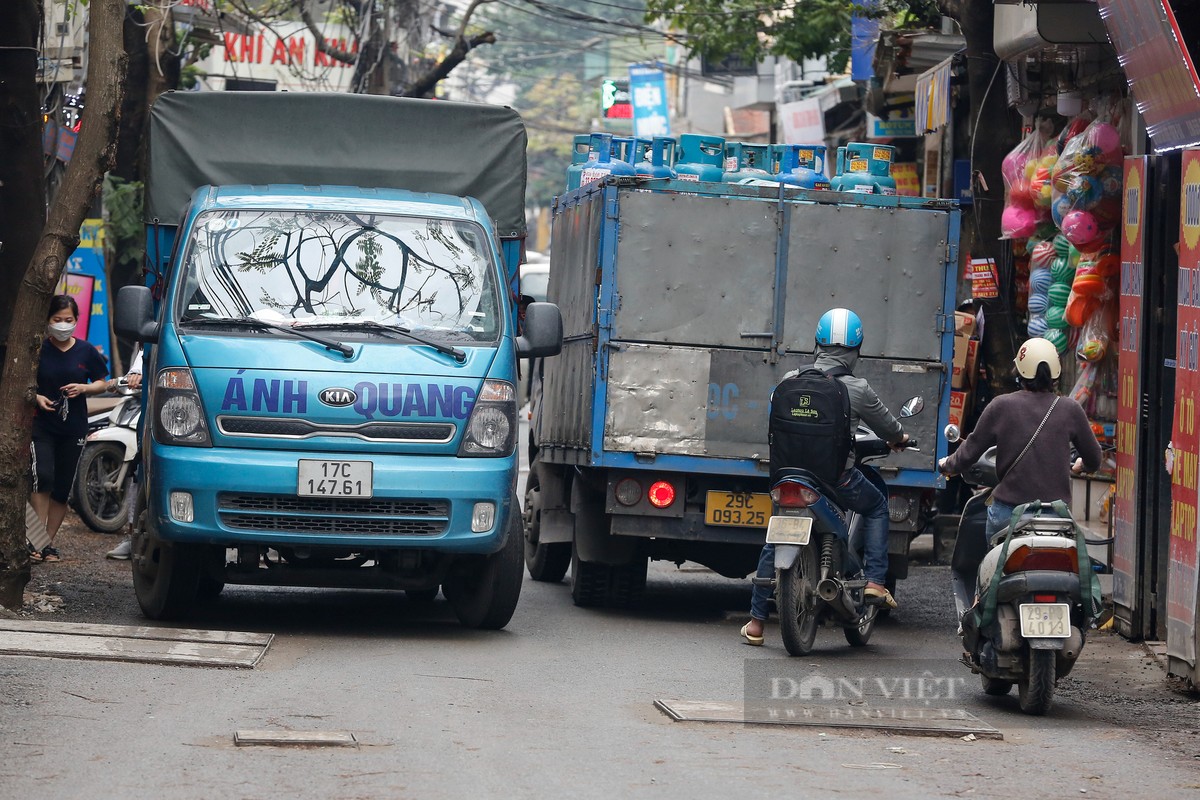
747, 162
700, 158
793, 165
870, 165
601, 162
882, 156
624, 148
835, 183
579, 156
658, 165
813, 157
640, 152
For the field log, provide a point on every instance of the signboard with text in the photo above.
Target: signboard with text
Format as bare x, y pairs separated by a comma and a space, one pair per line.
648, 96
1185, 437
803, 122
1126, 512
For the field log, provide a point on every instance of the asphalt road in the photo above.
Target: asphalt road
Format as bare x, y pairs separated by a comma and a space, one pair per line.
561, 704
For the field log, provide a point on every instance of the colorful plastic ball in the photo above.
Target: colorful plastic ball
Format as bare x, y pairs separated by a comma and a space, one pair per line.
1058, 338
1090, 349
1106, 141
1041, 254
1013, 165
1058, 294
1038, 303
1017, 222
1062, 246
1060, 208
1037, 325
1080, 227
1085, 191
1062, 271
1039, 281
1112, 181
1055, 317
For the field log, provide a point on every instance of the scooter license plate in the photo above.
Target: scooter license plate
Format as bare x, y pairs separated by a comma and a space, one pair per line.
789, 530
1045, 620
319, 478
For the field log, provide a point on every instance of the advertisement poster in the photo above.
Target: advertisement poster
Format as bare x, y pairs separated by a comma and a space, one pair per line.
803, 122
85, 280
1125, 505
648, 94
984, 283
1185, 438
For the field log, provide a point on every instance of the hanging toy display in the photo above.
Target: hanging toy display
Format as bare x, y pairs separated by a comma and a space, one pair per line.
1021, 213
1086, 179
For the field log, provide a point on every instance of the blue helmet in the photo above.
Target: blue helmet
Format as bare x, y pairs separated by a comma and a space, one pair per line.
841, 327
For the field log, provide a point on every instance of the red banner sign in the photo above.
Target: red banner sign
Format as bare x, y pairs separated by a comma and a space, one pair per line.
984, 283
1125, 505
1185, 438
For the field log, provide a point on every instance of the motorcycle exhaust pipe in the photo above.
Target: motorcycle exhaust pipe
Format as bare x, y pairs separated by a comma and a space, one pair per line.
832, 592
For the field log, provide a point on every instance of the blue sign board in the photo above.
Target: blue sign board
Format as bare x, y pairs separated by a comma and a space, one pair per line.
648, 93
864, 33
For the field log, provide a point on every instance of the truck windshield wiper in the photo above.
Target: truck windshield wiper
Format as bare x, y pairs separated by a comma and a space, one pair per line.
251, 322
372, 325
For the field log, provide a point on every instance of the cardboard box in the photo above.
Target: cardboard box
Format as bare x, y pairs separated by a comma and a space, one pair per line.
972, 366
964, 324
959, 403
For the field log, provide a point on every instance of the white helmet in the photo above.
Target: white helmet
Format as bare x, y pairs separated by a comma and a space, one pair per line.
1034, 352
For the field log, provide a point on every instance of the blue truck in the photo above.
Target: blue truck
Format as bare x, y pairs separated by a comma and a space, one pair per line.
332, 337
684, 304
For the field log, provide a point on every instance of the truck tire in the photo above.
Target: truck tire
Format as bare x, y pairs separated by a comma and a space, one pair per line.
627, 583
1035, 692
102, 509
545, 562
486, 597
589, 581
166, 575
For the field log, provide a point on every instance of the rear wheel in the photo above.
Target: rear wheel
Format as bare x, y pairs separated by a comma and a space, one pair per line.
589, 580
166, 575
1035, 692
797, 601
860, 635
627, 583
486, 595
545, 562
100, 501
995, 686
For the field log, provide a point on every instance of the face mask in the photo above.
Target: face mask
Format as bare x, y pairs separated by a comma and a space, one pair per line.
61, 331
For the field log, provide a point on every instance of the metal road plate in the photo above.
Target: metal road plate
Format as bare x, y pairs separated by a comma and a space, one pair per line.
295, 738
319, 478
132, 643
1045, 620
740, 509
789, 530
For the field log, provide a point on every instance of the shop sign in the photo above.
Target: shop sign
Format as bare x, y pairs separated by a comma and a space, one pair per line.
932, 98
984, 284
901, 122
85, 280
908, 182
1129, 387
648, 97
1185, 437
803, 121
1158, 69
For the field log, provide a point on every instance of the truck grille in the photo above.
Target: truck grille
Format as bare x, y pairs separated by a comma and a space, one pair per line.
286, 428
375, 517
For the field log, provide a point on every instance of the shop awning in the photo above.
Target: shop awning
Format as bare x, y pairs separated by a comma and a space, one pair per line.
933, 97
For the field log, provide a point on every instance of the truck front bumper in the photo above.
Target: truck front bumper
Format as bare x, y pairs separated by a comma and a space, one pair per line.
241, 497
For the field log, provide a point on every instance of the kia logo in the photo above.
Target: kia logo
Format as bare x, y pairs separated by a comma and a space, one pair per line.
337, 396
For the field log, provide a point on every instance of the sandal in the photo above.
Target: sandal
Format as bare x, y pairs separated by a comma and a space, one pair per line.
34, 555
753, 641
50, 555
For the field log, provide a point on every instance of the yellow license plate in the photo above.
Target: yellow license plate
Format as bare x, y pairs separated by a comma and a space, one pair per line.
744, 510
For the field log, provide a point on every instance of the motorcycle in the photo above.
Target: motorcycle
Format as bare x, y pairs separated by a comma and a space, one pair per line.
818, 551
1042, 609
107, 466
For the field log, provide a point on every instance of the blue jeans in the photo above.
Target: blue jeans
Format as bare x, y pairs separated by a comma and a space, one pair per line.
999, 515
860, 494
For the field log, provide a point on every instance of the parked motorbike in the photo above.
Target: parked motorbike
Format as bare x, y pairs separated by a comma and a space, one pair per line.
818, 551
107, 465
1042, 609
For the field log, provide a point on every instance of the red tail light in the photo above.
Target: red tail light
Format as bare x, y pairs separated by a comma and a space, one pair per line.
1059, 559
794, 495
661, 494
1045, 598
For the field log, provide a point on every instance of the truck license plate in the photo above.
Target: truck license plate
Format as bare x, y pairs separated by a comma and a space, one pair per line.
1045, 620
789, 530
335, 478
742, 509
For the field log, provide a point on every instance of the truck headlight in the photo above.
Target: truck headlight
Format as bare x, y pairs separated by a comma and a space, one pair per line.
178, 413
492, 428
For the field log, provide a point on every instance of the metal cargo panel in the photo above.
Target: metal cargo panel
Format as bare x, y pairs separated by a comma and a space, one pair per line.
712, 402
695, 270
890, 269
569, 378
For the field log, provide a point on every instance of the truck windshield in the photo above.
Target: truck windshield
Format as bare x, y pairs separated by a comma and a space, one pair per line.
434, 277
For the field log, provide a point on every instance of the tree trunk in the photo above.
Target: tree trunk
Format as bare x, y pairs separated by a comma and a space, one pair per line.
94, 153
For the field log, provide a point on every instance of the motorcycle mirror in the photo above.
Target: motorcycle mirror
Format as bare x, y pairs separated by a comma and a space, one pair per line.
912, 406
953, 434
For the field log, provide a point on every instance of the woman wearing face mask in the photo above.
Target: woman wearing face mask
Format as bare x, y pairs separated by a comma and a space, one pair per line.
69, 370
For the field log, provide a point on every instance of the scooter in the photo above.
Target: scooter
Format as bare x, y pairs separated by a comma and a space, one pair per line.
1041, 610
818, 551
107, 466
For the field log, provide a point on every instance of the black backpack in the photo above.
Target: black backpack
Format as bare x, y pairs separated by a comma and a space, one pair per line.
809, 426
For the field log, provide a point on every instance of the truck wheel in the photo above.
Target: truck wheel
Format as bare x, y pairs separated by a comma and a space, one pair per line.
486, 597
1035, 692
627, 583
796, 596
589, 581
545, 562
102, 507
166, 575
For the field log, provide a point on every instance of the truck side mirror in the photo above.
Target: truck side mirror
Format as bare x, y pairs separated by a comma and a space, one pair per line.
543, 333
134, 316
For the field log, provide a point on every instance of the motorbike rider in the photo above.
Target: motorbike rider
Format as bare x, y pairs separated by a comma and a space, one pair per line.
133, 378
1015, 420
839, 338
